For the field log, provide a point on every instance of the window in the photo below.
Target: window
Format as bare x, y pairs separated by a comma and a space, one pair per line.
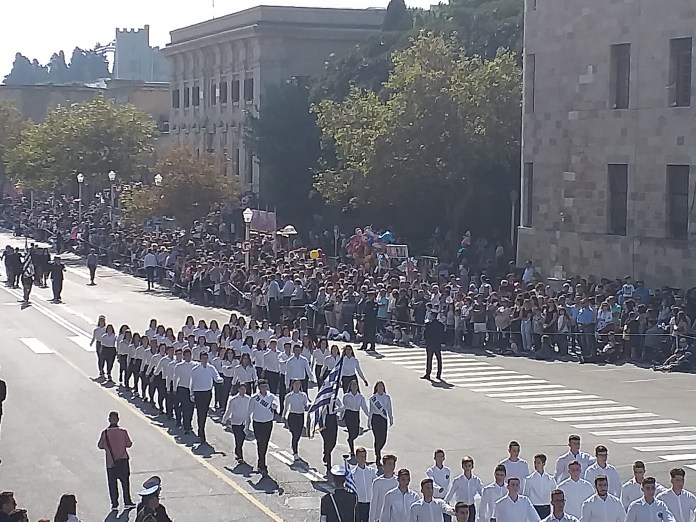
529, 82
237, 158
176, 98
620, 81
527, 194
196, 95
249, 90
187, 96
235, 91
678, 201
618, 198
680, 72
249, 170
213, 93
223, 91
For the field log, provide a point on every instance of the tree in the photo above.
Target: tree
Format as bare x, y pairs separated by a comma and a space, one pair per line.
86, 66
287, 142
25, 72
11, 126
93, 138
191, 188
424, 153
57, 68
397, 17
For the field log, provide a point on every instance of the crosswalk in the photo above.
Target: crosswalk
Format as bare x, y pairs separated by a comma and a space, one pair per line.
645, 431
40, 348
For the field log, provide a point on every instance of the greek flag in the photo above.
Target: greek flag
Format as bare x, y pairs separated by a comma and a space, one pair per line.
329, 390
349, 483
28, 266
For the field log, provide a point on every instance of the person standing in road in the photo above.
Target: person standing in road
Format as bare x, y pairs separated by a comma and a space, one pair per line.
380, 412
115, 441
182, 376
434, 336
329, 430
203, 376
353, 402
514, 465
92, 262
681, 503
262, 408
28, 274
648, 508
491, 494
602, 468
558, 513
150, 264
236, 415
577, 490
602, 506
56, 272
109, 340
465, 487
363, 477
538, 487
3, 396
369, 322
296, 404
632, 489
97, 335
297, 368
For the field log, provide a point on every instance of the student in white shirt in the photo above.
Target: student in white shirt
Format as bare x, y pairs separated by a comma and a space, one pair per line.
351, 367
200, 330
189, 326
538, 487
381, 486
632, 489
602, 506
380, 412
212, 335
514, 465
440, 474
97, 333
353, 402
203, 376
577, 490
320, 353
573, 454
398, 501
681, 503
152, 329
296, 404
491, 494
246, 373
257, 355
330, 361
229, 363
236, 414
363, 476
514, 507
182, 376
262, 408
602, 467
465, 487
428, 509
297, 368
648, 508
122, 347
558, 513
108, 351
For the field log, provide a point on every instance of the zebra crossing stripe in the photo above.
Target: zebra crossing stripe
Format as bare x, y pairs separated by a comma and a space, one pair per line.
599, 411
528, 392
35, 345
529, 389
643, 440
574, 405
483, 387
673, 458
552, 399
678, 447
649, 431
611, 416
600, 425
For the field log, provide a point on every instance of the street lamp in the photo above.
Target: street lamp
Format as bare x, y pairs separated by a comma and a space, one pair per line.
112, 178
248, 214
158, 179
80, 181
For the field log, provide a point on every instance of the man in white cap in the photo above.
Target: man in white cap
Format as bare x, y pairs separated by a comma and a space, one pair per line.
341, 505
150, 509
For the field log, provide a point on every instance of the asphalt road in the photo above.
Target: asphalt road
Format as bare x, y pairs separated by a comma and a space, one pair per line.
55, 412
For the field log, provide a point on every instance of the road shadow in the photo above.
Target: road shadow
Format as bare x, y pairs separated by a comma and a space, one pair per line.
267, 484
206, 451
441, 384
115, 516
374, 354
242, 469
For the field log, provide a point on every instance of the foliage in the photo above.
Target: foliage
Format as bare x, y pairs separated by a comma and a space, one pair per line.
287, 142
93, 138
86, 66
191, 188
423, 152
397, 17
11, 127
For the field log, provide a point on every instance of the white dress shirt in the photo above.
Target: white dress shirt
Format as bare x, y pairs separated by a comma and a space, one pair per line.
237, 411
363, 478
381, 405
595, 470
244, 374
492, 493
565, 518
538, 487
380, 487
182, 373
631, 491
354, 402
441, 480
351, 367
271, 361
520, 510
641, 511
682, 506
585, 460
598, 509
108, 340
397, 505
422, 511
203, 377
576, 492
295, 402
297, 368
172, 381
517, 468
262, 408
464, 489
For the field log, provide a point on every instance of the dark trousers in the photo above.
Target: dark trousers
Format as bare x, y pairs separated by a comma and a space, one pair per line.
150, 274
352, 419
122, 367
273, 311
172, 406
295, 423
379, 430
92, 272
202, 399
369, 338
329, 434
363, 512
100, 363
262, 432
57, 287
107, 360
282, 392
27, 283
429, 352
273, 379
345, 382
587, 341
220, 402
184, 397
120, 472
318, 371
543, 511
472, 513
239, 438
134, 370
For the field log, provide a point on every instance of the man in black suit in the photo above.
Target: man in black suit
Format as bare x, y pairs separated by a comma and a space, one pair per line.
434, 335
369, 322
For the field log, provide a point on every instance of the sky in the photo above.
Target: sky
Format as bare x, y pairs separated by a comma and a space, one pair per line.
38, 28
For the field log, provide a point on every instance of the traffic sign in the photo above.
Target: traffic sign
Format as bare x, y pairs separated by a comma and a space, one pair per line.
246, 246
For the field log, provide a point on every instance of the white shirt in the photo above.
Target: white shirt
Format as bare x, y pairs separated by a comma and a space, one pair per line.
150, 260
520, 510
237, 411
244, 374
538, 487
297, 368
492, 493
262, 407
464, 489
422, 511
397, 505
351, 366
585, 460
182, 373
518, 468
271, 361
441, 480
631, 491
257, 357
295, 402
330, 362
641, 511
576, 492
598, 509
354, 402
595, 470
363, 478
682, 506
380, 487
202, 378
565, 518
172, 382
108, 340
381, 405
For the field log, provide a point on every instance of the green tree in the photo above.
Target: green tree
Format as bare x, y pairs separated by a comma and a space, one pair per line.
397, 17
57, 68
191, 188
11, 126
424, 154
93, 138
26, 72
287, 142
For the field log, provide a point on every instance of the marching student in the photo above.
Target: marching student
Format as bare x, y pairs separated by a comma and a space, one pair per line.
271, 365
648, 508
440, 474
363, 477
163, 368
538, 487
602, 506
681, 503
577, 490
381, 486
572, 455
262, 408
236, 414
123, 343
182, 376
632, 489
380, 411
428, 508
465, 487
296, 404
148, 383
229, 364
297, 368
320, 354
351, 368
130, 370
216, 361
398, 501
329, 431
244, 373
330, 361
151, 329
461, 512
491, 494
257, 355
158, 377
108, 350
603, 468
173, 406
203, 376
97, 333
353, 402
283, 362
514, 507
139, 346
514, 465
558, 513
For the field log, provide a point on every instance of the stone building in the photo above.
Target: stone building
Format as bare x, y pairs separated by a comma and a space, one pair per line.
134, 59
609, 140
220, 68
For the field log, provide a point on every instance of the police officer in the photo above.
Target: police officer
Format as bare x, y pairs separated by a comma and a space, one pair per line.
341, 505
56, 269
150, 509
369, 322
434, 335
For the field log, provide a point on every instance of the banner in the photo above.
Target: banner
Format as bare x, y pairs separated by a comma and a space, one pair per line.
396, 251
264, 221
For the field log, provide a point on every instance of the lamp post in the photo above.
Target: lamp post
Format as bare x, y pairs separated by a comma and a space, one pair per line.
248, 214
112, 178
513, 212
158, 180
80, 181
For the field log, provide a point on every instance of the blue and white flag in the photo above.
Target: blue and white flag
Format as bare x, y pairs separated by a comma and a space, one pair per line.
328, 392
349, 483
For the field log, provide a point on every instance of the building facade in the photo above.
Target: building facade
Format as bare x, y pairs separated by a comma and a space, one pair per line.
609, 140
135, 60
220, 68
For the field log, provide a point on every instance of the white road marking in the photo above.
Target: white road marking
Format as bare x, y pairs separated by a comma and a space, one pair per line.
551, 399
506, 373
562, 391
643, 440
83, 342
574, 405
502, 378
483, 387
528, 389
600, 411
674, 458
678, 447
600, 425
605, 417
35, 345
692, 466
650, 431
77, 272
